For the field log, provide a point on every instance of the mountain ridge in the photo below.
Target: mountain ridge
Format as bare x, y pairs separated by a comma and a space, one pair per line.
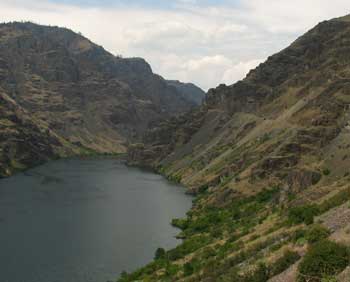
95, 101
256, 152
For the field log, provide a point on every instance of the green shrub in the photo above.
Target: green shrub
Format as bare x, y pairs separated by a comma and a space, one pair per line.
180, 223
326, 171
160, 254
171, 269
188, 246
216, 233
283, 263
298, 235
207, 253
303, 214
267, 195
316, 233
202, 189
338, 199
329, 279
174, 178
324, 259
188, 269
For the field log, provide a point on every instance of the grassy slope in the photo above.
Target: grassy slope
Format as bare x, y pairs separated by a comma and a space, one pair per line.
255, 151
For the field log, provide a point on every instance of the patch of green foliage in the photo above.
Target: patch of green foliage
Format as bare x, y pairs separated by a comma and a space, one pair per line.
202, 226
299, 237
324, 259
160, 254
303, 214
261, 272
188, 246
174, 178
267, 195
203, 189
307, 213
289, 258
316, 233
338, 199
190, 267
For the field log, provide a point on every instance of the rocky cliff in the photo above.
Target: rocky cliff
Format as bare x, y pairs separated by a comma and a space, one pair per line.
189, 91
259, 154
78, 91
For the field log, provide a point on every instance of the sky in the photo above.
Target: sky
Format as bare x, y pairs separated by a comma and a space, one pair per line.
206, 42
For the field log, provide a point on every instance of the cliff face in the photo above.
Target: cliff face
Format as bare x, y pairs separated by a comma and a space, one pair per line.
284, 128
189, 91
79, 91
24, 141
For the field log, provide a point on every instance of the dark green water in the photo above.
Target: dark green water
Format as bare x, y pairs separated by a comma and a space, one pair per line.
84, 221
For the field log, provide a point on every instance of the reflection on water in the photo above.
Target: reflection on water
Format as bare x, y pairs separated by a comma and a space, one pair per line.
84, 221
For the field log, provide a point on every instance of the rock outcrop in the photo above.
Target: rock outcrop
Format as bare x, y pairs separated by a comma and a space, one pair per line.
189, 91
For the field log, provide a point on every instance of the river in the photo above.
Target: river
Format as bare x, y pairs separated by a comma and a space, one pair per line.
84, 220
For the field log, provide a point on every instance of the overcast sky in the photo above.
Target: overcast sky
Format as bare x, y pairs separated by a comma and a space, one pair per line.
207, 42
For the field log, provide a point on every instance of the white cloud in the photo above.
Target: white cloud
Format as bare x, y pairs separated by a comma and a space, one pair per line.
205, 45
238, 71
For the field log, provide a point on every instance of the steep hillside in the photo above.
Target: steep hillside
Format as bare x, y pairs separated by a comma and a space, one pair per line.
79, 91
189, 91
267, 157
24, 141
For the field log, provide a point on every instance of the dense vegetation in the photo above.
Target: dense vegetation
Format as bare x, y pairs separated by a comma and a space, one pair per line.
323, 260
218, 241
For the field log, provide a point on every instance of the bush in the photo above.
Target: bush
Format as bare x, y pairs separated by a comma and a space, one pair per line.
329, 279
267, 195
338, 199
288, 259
324, 259
303, 214
298, 235
171, 269
187, 247
202, 189
160, 254
188, 269
316, 233
180, 223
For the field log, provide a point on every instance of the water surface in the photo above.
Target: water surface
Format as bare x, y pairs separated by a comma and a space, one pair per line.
84, 221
